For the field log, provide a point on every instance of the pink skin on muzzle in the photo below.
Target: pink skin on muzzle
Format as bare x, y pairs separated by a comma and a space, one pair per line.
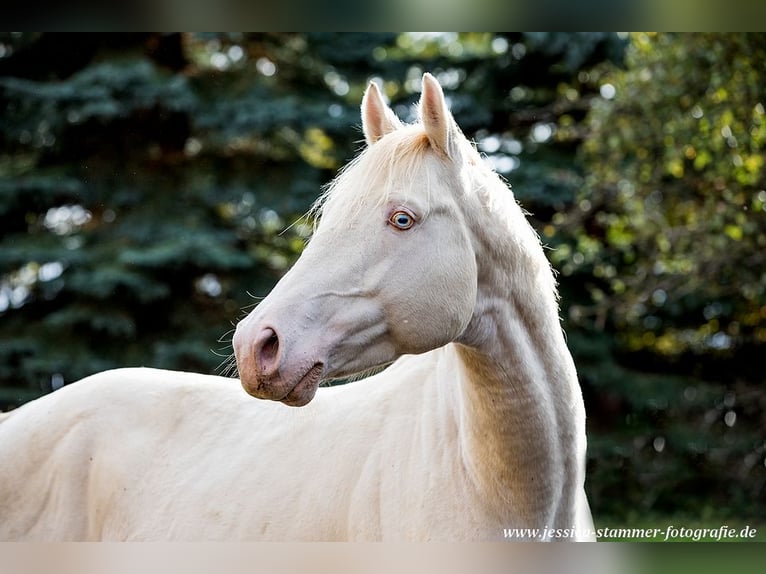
265, 374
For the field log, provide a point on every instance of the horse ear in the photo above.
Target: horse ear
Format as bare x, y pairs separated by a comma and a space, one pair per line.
377, 117
440, 126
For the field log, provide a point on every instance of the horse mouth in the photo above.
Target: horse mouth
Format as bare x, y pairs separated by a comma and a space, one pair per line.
302, 393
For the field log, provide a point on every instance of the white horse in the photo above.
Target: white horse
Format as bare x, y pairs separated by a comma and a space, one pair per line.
476, 431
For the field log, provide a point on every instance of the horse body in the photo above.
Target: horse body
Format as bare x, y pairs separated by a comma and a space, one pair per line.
143, 454
423, 259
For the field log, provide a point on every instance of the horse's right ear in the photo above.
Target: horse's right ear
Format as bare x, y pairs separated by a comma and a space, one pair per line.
377, 117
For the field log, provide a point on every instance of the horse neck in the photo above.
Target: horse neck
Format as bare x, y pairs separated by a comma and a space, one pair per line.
521, 411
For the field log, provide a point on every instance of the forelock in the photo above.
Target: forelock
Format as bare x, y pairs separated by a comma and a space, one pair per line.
388, 166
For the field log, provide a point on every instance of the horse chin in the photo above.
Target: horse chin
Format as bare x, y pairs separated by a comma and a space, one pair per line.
302, 393
276, 388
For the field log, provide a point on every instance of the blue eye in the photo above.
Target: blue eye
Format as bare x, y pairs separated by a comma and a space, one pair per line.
401, 220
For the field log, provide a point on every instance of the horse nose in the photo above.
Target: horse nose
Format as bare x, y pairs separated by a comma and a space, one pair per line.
257, 355
265, 351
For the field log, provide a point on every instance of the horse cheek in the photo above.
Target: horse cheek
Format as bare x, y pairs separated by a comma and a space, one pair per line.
421, 323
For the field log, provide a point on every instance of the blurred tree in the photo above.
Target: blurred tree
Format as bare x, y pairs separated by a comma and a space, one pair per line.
138, 204
146, 178
666, 243
676, 180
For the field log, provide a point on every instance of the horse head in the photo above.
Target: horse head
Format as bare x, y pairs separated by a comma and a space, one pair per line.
390, 269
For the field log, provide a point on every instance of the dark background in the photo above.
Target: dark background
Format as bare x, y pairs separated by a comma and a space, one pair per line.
146, 181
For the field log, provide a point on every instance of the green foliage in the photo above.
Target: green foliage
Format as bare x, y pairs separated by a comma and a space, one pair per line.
676, 198
666, 243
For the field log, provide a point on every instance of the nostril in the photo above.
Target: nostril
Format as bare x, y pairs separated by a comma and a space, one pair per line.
270, 348
267, 351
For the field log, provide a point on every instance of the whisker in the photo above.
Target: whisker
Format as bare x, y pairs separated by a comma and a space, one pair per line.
356, 376
226, 355
305, 216
227, 336
228, 367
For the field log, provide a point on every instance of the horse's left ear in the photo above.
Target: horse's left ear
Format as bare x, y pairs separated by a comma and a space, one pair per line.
437, 120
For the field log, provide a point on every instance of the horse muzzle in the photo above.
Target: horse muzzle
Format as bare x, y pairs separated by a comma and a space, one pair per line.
268, 371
